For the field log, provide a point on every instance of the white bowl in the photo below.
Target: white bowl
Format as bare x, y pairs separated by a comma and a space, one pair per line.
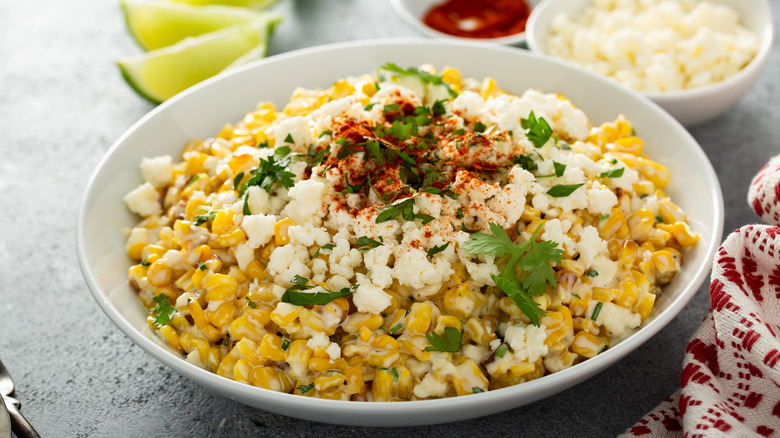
413, 12
202, 111
692, 106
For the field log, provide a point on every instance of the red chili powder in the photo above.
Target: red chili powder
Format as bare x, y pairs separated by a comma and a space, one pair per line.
479, 18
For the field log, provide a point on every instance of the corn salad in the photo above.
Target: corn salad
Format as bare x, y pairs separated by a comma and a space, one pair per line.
403, 235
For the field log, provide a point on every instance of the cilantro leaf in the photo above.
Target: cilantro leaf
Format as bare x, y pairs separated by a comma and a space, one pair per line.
367, 241
163, 312
532, 257
297, 295
306, 388
563, 190
536, 262
437, 249
525, 161
271, 171
423, 75
539, 131
449, 342
613, 173
559, 168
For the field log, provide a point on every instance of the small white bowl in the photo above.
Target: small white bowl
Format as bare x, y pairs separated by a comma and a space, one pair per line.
696, 105
413, 12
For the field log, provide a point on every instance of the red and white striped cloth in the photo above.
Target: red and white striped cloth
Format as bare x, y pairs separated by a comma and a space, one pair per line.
730, 383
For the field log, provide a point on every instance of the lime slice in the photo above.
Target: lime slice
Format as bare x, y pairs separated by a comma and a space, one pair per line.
253, 4
156, 24
160, 74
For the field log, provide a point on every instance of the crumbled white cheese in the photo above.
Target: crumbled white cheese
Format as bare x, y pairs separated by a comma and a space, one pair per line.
157, 170
144, 200
527, 341
259, 229
370, 298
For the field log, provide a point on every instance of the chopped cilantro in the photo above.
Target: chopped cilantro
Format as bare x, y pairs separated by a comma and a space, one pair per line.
289, 139
297, 293
532, 257
539, 131
449, 341
613, 173
563, 190
437, 249
162, 311
306, 388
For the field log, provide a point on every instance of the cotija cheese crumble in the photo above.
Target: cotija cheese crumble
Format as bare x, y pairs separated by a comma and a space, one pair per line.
403, 235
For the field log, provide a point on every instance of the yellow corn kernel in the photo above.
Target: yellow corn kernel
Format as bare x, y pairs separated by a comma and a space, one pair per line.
587, 345
448, 321
630, 145
580, 299
137, 274
230, 239
198, 316
271, 348
628, 294
656, 173
614, 226
530, 214
604, 294
574, 266
383, 358
327, 382
542, 300
270, 377
666, 265
221, 287
670, 212
627, 255
356, 321
243, 327
508, 306
354, 379
223, 315
469, 376
384, 342
681, 233
228, 363
585, 324
462, 300
242, 371
644, 188
365, 335
453, 77
382, 386
298, 352
159, 274
248, 349
416, 344
256, 270
135, 251
280, 231
644, 304
171, 336
285, 314
420, 317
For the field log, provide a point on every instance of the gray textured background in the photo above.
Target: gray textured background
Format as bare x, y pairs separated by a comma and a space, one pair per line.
63, 103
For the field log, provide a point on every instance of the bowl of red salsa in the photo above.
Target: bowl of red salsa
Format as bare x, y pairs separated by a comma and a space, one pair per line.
492, 21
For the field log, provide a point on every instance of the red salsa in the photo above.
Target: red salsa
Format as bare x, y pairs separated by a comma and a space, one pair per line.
479, 18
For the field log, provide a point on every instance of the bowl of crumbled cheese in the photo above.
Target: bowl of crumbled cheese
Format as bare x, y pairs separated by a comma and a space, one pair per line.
693, 58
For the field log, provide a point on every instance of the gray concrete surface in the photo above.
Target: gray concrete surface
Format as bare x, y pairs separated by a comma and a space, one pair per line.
63, 103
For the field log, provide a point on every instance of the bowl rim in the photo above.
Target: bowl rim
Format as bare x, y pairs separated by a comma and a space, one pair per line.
399, 6
758, 61
377, 412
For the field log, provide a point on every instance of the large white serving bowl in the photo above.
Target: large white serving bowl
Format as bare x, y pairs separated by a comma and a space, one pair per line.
689, 107
202, 111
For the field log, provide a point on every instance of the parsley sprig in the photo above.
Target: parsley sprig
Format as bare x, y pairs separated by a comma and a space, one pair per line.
297, 293
406, 209
532, 257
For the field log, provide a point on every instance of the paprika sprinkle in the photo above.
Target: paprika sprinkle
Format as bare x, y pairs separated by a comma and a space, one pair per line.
479, 18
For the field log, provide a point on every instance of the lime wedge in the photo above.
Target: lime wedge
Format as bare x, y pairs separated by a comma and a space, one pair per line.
156, 23
257, 5
160, 74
